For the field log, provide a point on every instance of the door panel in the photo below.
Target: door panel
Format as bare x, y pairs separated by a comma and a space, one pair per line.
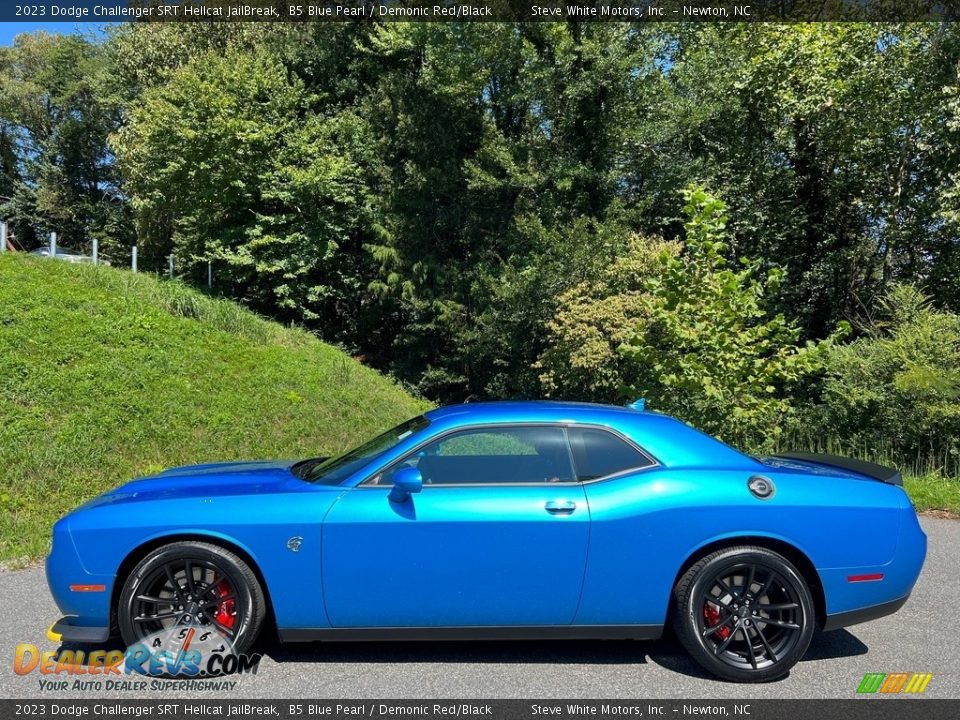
456, 556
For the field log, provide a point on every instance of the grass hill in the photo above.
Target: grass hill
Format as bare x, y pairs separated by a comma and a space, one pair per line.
106, 375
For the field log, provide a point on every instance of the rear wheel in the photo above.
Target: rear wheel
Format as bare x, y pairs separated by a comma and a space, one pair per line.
192, 584
744, 613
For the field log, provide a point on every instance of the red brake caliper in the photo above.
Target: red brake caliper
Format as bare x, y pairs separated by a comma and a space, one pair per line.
226, 612
712, 616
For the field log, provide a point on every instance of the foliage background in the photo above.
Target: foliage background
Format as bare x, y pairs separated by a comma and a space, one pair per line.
756, 225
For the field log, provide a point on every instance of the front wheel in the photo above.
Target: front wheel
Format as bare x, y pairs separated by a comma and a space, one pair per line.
191, 585
744, 613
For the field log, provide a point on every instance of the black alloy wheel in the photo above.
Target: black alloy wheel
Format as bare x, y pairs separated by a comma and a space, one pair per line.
196, 584
745, 614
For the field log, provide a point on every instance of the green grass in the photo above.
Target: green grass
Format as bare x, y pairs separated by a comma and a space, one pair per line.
934, 492
107, 375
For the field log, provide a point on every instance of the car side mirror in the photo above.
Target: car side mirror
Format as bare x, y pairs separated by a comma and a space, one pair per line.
406, 481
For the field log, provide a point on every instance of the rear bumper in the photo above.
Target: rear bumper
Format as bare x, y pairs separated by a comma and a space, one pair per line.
861, 615
858, 593
64, 631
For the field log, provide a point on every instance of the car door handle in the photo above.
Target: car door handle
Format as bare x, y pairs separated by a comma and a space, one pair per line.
560, 507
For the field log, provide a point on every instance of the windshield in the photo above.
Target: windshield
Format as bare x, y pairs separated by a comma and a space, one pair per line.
333, 471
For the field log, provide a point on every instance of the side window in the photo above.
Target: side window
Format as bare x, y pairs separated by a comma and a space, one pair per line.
488, 442
487, 456
598, 453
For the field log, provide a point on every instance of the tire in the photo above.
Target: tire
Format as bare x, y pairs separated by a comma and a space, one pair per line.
719, 614
225, 594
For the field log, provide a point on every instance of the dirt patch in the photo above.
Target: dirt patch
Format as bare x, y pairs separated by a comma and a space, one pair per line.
942, 514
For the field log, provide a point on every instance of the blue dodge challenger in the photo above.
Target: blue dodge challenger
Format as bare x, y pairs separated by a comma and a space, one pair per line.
528, 520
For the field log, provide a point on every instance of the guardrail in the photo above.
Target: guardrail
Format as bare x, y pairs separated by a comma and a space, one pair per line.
6, 244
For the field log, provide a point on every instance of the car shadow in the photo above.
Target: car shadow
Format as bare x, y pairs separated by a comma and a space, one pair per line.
453, 651
834, 644
670, 654
666, 652
87, 648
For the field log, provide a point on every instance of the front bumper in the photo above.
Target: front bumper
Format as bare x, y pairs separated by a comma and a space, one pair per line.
82, 597
64, 631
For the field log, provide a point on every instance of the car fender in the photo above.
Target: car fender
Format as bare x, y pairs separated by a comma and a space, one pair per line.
264, 530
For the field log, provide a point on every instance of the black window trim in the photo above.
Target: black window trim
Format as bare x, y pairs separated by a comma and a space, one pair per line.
654, 463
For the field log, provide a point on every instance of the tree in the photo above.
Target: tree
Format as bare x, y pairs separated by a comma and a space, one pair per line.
225, 164
830, 137
705, 347
944, 275
453, 201
594, 319
55, 117
496, 142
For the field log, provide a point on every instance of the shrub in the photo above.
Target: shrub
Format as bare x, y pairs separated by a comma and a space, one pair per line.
898, 385
705, 347
593, 319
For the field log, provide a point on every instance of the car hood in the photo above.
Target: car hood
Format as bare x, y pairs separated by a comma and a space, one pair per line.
208, 480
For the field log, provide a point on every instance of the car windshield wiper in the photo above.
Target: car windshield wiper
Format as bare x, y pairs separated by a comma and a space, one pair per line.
302, 469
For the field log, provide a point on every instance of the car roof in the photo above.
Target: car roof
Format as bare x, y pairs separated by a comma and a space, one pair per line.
524, 410
671, 441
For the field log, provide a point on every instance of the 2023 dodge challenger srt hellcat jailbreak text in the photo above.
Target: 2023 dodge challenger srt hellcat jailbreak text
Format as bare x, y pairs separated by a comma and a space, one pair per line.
502, 520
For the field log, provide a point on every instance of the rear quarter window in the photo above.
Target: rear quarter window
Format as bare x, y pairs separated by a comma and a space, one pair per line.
599, 453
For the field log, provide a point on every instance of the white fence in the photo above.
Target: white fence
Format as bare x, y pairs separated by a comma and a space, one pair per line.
6, 245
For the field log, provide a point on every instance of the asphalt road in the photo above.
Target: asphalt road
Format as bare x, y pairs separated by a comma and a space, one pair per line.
922, 637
